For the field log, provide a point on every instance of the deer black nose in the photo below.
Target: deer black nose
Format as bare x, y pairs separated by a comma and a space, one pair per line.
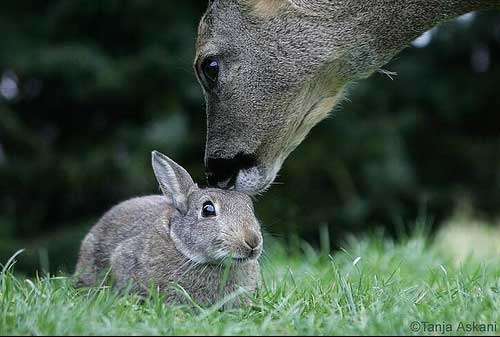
222, 172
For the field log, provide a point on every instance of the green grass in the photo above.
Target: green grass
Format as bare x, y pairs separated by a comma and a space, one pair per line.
375, 286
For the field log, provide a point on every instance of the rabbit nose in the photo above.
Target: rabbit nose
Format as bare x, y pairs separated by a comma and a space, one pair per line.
252, 240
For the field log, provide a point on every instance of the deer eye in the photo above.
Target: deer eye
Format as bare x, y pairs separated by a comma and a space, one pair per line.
208, 210
210, 68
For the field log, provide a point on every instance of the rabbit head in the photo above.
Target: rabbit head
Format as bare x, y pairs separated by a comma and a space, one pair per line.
211, 225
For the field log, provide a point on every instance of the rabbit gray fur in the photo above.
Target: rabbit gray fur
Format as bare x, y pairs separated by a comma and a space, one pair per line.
165, 240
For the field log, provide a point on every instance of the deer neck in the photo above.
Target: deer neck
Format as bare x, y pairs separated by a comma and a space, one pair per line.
368, 34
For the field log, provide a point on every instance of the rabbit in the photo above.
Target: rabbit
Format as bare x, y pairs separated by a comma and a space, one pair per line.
207, 241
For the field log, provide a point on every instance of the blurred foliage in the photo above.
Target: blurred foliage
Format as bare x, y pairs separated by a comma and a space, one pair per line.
88, 89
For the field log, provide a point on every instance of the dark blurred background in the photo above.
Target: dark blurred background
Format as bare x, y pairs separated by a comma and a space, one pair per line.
88, 89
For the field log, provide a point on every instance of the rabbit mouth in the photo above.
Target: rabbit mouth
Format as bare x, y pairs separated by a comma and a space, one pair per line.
252, 255
236, 258
242, 260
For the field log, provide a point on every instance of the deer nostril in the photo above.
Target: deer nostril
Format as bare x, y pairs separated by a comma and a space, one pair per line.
222, 173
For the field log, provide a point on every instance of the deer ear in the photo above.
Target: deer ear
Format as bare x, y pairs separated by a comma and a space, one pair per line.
266, 8
174, 180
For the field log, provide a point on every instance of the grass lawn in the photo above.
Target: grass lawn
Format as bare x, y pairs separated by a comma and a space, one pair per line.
374, 286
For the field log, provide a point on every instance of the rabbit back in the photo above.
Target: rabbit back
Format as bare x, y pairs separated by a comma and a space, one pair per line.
123, 222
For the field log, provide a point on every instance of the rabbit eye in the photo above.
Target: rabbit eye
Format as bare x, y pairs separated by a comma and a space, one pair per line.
208, 210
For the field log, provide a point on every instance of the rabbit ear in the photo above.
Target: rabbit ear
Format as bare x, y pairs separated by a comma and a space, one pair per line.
174, 180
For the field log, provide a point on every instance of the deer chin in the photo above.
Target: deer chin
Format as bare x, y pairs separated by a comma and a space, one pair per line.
256, 180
